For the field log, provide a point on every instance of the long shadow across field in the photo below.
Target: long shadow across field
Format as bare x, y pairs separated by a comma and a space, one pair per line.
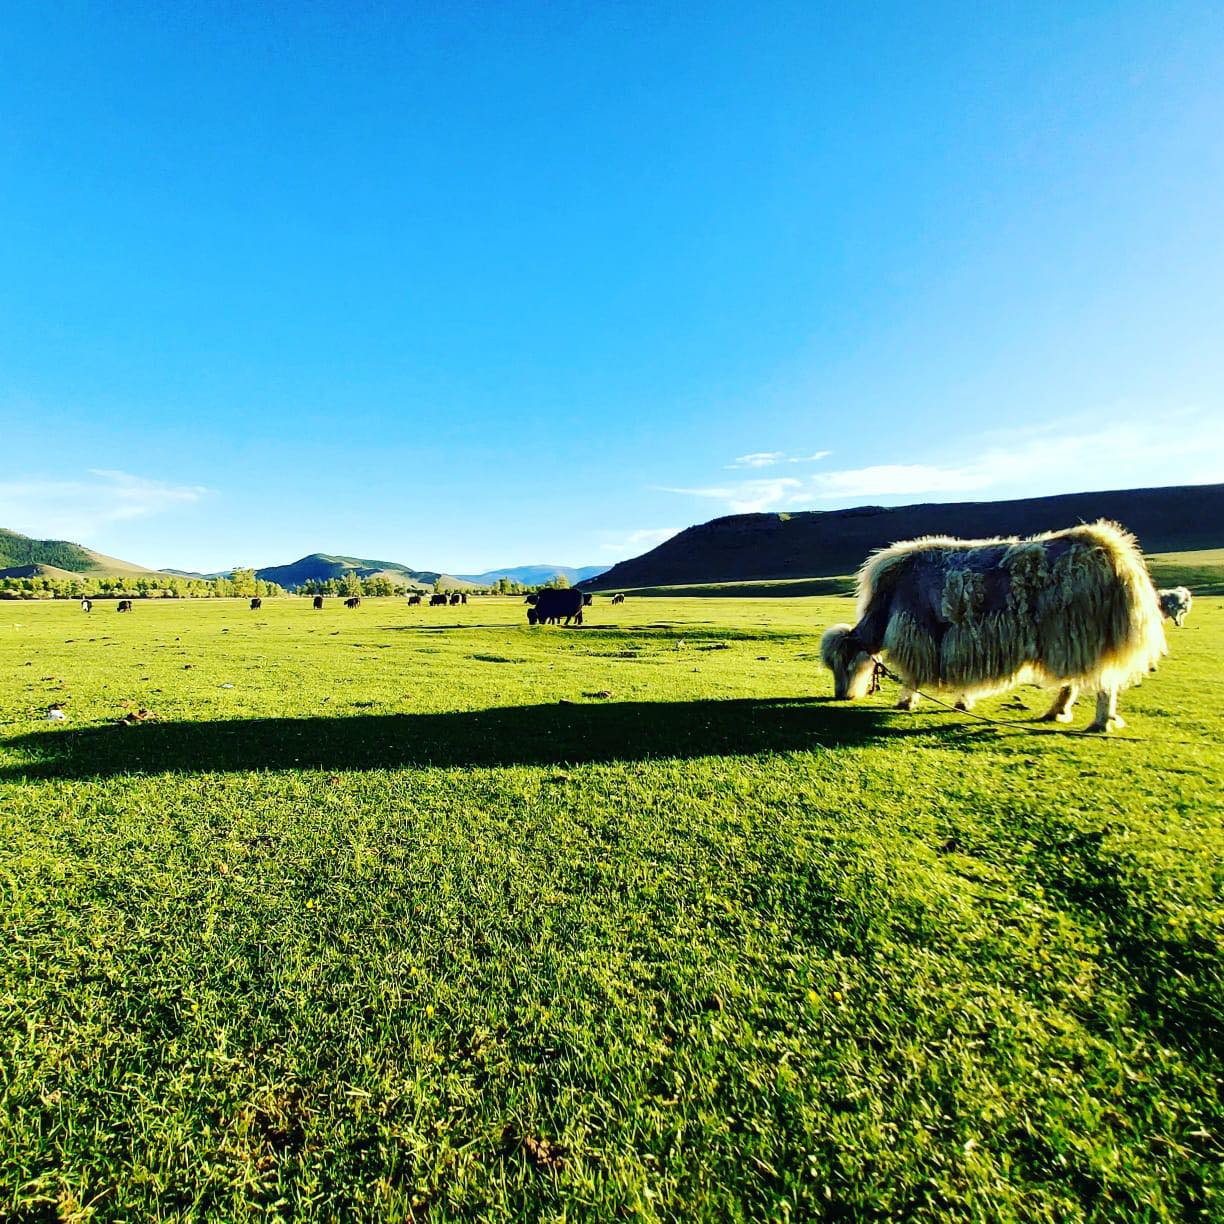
518, 735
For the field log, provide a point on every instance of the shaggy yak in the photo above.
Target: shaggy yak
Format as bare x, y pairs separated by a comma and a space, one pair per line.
413, 600
1175, 604
1067, 609
317, 602
618, 599
256, 604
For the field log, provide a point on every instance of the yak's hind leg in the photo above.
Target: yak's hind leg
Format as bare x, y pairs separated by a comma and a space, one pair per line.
1107, 716
1060, 711
908, 700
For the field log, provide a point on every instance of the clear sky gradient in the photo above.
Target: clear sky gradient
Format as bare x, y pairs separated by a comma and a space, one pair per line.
464, 285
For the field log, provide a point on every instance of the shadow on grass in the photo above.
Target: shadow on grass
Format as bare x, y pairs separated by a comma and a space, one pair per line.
519, 735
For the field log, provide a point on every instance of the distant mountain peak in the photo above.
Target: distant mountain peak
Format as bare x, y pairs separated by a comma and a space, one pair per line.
534, 575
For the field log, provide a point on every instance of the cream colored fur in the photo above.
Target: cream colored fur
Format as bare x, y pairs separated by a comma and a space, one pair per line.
1086, 618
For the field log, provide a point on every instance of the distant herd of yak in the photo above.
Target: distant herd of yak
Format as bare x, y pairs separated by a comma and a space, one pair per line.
547, 607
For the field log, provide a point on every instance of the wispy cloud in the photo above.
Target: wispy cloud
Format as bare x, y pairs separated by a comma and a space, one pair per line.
637, 542
895, 479
764, 459
1184, 446
77, 509
748, 496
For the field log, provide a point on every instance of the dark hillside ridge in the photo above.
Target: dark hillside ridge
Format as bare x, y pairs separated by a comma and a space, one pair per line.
824, 543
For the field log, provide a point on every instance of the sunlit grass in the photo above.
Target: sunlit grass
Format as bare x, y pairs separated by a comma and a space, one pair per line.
412, 911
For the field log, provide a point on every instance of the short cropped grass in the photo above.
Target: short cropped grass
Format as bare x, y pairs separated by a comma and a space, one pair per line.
407, 913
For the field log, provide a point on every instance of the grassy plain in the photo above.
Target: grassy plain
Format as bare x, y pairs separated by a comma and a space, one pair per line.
405, 913
1201, 571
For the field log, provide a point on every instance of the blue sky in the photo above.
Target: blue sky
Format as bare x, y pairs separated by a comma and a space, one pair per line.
464, 285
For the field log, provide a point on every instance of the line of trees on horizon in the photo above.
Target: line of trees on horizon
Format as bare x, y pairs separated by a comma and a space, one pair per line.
241, 583
350, 583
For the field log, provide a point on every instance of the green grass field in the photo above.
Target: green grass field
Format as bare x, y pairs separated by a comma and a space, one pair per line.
1202, 571
420, 913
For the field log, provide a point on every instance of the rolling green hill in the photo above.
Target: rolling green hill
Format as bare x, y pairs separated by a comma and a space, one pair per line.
319, 567
19, 551
40, 571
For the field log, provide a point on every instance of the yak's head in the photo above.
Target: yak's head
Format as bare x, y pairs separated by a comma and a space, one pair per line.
532, 616
852, 666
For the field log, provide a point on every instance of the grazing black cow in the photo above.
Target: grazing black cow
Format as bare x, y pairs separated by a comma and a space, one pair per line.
318, 602
456, 599
436, 601
86, 605
413, 600
352, 602
552, 606
618, 599
587, 600
256, 604
125, 605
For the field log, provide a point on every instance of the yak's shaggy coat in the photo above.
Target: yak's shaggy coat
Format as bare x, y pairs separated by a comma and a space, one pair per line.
1065, 609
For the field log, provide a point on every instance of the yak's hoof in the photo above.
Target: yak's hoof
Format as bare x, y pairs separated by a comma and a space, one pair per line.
906, 705
1116, 723
1062, 716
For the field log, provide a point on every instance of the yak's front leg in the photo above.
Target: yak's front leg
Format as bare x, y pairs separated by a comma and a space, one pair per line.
1060, 711
1107, 716
908, 700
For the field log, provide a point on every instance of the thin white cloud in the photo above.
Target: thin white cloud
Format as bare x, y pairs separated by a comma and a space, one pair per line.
758, 459
637, 542
748, 496
1184, 446
763, 459
77, 509
894, 479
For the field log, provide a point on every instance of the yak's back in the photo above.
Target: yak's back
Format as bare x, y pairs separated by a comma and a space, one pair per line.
1106, 541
